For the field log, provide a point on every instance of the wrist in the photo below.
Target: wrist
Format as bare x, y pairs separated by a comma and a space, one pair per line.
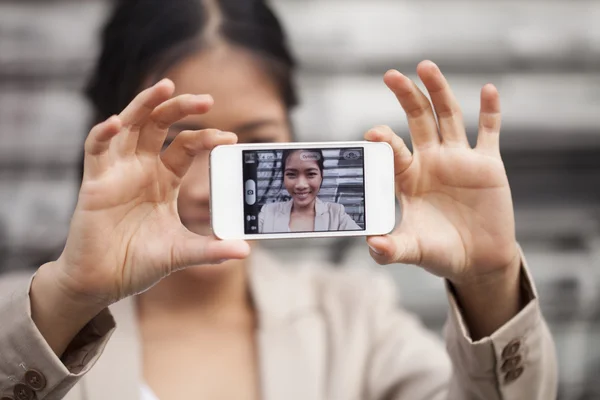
489, 301
500, 278
58, 314
51, 280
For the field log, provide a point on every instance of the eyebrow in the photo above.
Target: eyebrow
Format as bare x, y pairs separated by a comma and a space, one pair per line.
306, 170
244, 128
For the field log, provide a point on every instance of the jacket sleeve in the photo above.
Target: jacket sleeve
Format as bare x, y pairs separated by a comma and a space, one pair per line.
518, 361
27, 363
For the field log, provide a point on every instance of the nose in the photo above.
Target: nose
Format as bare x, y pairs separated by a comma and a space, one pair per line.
195, 187
301, 182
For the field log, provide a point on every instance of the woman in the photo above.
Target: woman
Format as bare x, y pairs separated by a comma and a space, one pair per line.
302, 172
112, 319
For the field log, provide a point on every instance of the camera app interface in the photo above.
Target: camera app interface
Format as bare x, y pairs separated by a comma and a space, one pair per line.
304, 190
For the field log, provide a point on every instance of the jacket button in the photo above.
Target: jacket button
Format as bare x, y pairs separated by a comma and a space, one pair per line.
511, 363
23, 392
35, 380
511, 348
513, 375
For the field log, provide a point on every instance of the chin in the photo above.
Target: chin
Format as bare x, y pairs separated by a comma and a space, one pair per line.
305, 202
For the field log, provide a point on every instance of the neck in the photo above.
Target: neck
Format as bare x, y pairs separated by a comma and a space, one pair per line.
208, 292
308, 209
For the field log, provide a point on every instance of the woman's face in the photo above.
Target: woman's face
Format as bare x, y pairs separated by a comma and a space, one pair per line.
246, 102
302, 177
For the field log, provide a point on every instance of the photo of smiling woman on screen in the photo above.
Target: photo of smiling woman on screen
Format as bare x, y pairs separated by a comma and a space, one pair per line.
302, 172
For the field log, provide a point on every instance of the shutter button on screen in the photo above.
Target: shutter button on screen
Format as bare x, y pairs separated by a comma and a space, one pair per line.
250, 192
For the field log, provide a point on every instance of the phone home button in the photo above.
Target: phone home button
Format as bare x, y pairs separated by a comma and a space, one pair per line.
250, 192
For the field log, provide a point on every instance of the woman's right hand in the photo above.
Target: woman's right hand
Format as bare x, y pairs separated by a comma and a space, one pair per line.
125, 233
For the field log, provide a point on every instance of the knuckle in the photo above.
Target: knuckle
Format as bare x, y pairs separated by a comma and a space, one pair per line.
416, 111
399, 142
187, 144
187, 137
384, 130
447, 112
211, 132
96, 129
156, 118
162, 125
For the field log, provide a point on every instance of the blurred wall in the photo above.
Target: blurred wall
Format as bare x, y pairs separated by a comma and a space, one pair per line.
543, 55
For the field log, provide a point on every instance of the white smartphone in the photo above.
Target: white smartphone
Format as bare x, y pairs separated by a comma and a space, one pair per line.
299, 190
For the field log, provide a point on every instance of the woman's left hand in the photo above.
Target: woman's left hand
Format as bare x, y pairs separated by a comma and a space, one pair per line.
457, 212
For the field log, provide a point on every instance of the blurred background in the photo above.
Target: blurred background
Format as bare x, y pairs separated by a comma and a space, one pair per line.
543, 55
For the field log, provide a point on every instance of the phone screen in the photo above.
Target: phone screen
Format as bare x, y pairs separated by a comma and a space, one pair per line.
303, 190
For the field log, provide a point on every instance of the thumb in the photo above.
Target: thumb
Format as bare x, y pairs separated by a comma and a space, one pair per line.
395, 248
193, 249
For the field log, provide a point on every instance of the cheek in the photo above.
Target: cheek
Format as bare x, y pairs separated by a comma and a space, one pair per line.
315, 183
288, 183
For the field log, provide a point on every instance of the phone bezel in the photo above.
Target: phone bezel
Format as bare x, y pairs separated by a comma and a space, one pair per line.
227, 195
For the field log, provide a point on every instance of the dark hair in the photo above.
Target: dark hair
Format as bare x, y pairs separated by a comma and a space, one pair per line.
143, 38
287, 153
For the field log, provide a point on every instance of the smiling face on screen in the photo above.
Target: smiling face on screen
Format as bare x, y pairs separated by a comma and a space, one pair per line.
302, 177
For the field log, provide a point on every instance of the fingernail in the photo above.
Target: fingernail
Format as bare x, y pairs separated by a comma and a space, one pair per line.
221, 261
375, 251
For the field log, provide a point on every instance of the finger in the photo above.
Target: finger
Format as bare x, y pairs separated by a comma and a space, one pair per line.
152, 136
144, 103
421, 121
488, 139
138, 111
97, 144
192, 249
181, 152
447, 109
402, 155
395, 248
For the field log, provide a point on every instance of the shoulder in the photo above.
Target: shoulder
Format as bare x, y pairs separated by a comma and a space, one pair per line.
334, 208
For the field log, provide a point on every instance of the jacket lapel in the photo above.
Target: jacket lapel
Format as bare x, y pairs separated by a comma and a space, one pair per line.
321, 216
282, 217
291, 336
290, 339
117, 374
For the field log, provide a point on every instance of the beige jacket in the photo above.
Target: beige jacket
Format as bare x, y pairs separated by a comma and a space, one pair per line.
324, 334
275, 217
